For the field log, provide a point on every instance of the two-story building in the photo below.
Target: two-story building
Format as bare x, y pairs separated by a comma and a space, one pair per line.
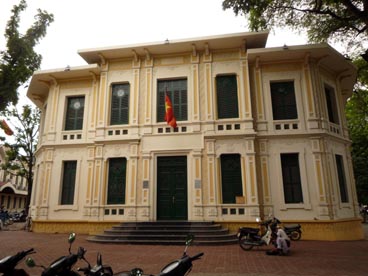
13, 188
260, 131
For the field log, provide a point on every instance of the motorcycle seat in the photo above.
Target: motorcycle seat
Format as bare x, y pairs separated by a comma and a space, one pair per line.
249, 230
292, 226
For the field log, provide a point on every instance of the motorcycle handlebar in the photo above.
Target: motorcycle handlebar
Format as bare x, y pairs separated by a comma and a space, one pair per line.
29, 251
83, 269
196, 257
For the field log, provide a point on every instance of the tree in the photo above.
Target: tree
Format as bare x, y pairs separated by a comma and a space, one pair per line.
357, 117
19, 60
340, 21
20, 154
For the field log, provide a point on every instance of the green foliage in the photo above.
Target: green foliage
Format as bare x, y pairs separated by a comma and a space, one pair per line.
357, 118
21, 146
340, 21
19, 60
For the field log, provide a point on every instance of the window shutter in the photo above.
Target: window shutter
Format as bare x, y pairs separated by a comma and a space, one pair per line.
227, 97
177, 91
341, 178
333, 115
283, 100
117, 181
67, 193
291, 178
231, 178
120, 104
75, 113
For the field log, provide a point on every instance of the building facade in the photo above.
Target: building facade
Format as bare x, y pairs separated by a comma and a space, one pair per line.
13, 188
260, 131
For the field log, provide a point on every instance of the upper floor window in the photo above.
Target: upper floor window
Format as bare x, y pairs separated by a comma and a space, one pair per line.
68, 186
120, 104
333, 115
178, 94
341, 178
74, 113
291, 178
227, 97
283, 100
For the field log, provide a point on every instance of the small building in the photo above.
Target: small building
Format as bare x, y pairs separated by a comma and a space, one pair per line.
13, 188
260, 132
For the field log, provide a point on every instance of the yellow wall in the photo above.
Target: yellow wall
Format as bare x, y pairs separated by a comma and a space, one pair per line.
338, 230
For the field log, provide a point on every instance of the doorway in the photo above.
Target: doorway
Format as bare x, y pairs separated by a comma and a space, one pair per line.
172, 185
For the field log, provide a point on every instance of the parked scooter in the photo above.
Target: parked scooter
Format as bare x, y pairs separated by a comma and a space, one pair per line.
180, 267
9, 263
294, 231
5, 218
98, 270
249, 237
63, 265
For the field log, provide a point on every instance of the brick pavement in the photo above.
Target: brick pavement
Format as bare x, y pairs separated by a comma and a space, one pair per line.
307, 258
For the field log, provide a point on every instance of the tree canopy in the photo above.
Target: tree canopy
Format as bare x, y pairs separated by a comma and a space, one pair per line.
19, 60
20, 153
338, 21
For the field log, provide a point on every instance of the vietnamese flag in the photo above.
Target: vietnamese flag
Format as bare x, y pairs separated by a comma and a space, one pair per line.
6, 128
169, 112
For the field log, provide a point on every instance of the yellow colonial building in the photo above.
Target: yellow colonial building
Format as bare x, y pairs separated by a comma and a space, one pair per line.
260, 131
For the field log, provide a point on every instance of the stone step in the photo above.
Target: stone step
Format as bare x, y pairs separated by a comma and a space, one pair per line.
166, 232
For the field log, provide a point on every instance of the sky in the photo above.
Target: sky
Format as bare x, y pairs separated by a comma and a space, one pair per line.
85, 24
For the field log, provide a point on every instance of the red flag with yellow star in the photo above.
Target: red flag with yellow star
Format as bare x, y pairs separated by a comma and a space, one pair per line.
6, 128
169, 112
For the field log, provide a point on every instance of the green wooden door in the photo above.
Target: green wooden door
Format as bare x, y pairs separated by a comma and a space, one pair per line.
172, 188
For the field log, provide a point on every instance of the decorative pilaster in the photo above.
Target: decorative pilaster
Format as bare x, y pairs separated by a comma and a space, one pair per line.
132, 169
244, 95
320, 161
198, 188
195, 88
251, 165
264, 161
207, 60
212, 178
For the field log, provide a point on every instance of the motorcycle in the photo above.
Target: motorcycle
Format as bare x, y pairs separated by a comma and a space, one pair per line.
249, 237
180, 267
5, 219
63, 265
293, 231
8, 264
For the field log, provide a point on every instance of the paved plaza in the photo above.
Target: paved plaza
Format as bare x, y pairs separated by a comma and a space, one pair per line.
307, 258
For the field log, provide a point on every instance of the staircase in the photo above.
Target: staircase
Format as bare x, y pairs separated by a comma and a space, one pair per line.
166, 232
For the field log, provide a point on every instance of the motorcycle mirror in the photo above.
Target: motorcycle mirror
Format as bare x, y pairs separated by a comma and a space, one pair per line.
30, 262
71, 238
189, 239
99, 259
136, 272
81, 252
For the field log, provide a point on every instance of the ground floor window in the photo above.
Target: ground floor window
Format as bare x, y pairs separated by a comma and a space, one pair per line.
67, 191
231, 178
341, 178
116, 181
291, 178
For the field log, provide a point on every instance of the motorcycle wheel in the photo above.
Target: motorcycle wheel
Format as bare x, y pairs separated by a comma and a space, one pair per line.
244, 245
295, 235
